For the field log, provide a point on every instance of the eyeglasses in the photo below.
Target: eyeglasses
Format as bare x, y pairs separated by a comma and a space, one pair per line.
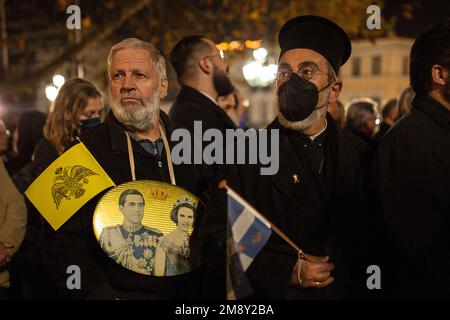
220, 54
305, 72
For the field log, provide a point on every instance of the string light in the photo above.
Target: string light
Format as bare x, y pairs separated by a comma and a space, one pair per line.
239, 45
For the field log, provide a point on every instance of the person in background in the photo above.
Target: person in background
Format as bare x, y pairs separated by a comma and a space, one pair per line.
404, 102
27, 135
337, 111
13, 220
361, 119
412, 172
4, 140
390, 114
230, 104
78, 107
202, 74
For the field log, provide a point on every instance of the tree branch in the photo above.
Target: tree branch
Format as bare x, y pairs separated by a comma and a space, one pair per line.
73, 50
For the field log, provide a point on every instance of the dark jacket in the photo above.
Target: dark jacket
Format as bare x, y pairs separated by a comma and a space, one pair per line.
74, 243
44, 155
32, 280
30, 131
366, 138
384, 128
191, 105
412, 171
335, 227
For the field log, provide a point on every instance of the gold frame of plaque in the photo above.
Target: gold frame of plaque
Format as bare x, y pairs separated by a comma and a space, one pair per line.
146, 226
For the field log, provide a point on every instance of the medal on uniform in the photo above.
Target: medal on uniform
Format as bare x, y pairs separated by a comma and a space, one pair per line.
146, 226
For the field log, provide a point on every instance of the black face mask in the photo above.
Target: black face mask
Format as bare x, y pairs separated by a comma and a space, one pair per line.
297, 98
84, 125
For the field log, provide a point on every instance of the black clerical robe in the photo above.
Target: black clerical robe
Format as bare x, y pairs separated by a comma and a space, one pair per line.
324, 212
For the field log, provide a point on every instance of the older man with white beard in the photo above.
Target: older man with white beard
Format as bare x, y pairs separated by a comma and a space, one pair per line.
137, 73
316, 197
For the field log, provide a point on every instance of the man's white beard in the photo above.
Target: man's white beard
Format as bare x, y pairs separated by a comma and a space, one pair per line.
312, 119
140, 118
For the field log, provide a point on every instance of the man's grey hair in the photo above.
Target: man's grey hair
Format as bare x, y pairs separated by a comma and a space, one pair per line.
361, 110
158, 61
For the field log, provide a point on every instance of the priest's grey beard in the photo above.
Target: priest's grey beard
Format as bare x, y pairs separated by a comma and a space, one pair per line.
140, 118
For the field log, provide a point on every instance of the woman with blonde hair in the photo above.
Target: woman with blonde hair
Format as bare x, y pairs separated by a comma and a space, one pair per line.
78, 106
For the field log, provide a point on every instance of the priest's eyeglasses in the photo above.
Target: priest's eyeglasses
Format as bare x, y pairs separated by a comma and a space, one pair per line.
306, 72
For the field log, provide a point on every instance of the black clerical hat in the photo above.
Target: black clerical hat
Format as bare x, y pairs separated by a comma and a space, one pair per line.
318, 34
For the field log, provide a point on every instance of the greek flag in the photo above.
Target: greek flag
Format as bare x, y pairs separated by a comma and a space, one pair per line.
248, 233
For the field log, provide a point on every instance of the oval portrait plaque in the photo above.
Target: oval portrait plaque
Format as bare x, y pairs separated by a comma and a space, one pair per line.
146, 227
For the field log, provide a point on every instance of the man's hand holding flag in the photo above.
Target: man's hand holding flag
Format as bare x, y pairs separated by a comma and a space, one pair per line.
249, 231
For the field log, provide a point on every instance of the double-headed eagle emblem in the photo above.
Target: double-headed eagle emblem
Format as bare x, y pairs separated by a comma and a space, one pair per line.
69, 182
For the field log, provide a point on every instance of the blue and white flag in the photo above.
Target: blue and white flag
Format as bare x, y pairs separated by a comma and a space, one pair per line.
238, 286
250, 230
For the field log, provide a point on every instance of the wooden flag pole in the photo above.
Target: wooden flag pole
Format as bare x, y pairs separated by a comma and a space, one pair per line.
223, 185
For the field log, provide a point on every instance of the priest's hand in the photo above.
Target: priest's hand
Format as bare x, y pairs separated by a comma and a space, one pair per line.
314, 271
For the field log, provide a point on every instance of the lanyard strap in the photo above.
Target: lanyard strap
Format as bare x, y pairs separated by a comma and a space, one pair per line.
166, 148
168, 155
131, 157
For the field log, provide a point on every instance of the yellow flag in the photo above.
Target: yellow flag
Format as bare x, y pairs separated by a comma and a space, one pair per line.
67, 184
